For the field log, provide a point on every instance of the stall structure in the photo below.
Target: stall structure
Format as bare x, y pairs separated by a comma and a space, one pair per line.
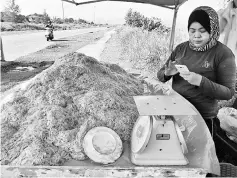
123, 166
2, 54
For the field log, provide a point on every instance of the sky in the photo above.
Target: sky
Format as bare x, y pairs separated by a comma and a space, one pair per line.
109, 11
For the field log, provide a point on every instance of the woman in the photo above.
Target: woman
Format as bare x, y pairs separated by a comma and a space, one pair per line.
211, 65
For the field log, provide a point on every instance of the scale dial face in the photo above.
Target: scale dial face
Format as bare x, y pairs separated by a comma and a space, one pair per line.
141, 133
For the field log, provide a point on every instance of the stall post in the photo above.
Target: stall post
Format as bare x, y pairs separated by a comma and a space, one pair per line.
2, 54
173, 27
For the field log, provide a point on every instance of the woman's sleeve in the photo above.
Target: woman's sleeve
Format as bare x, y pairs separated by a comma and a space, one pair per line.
161, 73
224, 88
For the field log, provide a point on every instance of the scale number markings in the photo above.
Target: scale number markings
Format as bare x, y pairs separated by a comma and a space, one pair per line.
162, 136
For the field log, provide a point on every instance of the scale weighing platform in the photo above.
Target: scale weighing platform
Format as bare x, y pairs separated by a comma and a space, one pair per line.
156, 137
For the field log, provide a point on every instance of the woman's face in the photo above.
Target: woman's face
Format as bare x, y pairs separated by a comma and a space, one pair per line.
198, 35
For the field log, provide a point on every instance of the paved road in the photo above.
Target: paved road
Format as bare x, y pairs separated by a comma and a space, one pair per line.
18, 45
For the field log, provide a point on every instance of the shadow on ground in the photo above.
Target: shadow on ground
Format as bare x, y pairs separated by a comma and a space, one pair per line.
60, 40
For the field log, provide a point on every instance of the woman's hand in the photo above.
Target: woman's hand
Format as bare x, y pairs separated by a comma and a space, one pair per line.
170, 68
192, 78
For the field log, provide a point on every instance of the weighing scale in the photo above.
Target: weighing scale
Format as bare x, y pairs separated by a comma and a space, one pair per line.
156, 137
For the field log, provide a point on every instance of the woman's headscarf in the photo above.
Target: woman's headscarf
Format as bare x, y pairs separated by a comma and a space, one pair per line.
213, 27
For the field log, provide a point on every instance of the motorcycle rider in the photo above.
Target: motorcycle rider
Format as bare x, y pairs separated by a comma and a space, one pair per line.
51, 27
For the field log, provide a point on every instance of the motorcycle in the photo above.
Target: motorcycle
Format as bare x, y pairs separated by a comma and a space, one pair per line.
49, 33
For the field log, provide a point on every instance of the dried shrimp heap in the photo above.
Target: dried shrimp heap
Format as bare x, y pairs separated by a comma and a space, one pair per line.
45, 123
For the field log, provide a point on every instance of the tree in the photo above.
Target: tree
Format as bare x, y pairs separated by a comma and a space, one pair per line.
46, 17
70, 20
134, 19
21, 18
57, 20
137, 18
128, 17
82, 21
12, 10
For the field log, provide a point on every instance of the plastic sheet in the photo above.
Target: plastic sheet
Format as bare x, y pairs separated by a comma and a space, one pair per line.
228, 122
228, 26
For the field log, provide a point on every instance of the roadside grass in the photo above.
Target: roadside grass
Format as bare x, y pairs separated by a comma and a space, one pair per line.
9, 26
146, 50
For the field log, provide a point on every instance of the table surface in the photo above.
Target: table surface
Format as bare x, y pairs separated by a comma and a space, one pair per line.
121, 168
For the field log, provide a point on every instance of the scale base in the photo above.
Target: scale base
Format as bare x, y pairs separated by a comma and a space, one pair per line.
135, 159
163, 147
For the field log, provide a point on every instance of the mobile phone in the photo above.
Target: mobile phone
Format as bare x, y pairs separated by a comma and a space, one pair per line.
182, 68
